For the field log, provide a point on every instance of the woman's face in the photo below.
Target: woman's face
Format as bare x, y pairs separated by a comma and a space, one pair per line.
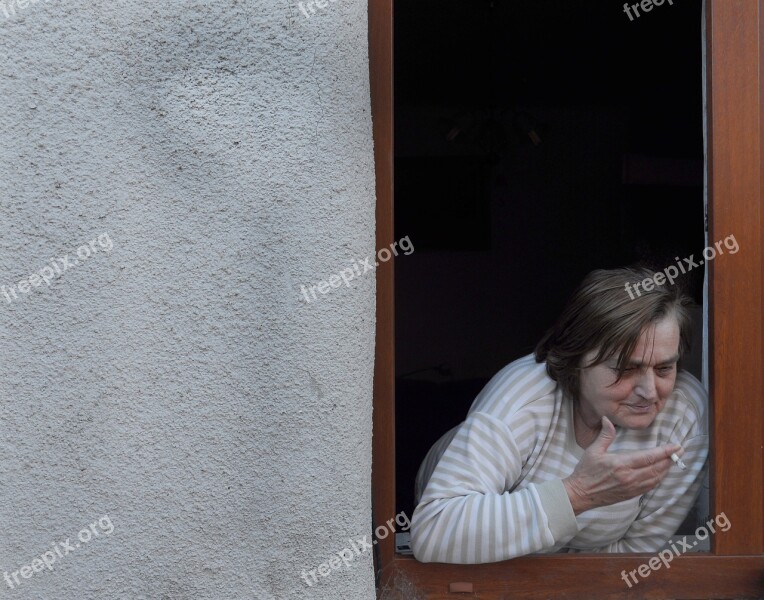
636, 400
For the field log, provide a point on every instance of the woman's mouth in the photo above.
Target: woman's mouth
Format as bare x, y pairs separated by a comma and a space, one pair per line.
641, 408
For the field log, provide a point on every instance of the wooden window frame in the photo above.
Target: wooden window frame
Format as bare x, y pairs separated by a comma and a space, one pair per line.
734, 567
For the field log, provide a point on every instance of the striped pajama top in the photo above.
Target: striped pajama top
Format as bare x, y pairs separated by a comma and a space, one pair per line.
497, 493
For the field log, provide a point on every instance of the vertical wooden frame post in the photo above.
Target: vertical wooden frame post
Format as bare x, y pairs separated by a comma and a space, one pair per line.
383, 442
736, 172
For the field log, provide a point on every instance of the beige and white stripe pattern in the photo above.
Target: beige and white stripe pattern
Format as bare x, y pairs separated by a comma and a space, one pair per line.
496, 492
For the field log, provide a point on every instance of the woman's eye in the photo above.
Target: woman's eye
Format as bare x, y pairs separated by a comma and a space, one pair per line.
665, 370
626, 370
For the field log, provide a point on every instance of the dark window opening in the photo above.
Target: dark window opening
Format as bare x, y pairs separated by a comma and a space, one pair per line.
534, 142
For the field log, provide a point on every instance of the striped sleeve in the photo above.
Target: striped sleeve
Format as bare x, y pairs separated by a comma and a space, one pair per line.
430, 461
666, 506
467, 514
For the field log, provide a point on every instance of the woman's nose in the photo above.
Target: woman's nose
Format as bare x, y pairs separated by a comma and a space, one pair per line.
646, 385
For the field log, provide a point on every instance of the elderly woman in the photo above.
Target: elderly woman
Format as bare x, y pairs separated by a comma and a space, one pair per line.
569, 449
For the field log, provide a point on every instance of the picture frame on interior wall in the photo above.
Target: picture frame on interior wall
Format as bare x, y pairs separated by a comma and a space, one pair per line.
734, 567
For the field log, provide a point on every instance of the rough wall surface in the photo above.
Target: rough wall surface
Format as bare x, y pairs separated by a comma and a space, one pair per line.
168, 388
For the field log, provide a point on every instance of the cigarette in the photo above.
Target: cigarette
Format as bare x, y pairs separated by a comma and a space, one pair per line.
679, 462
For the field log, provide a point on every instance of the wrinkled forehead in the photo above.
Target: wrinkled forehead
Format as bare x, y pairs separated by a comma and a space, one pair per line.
658, 343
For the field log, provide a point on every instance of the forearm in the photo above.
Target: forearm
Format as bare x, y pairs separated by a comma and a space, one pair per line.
480, 528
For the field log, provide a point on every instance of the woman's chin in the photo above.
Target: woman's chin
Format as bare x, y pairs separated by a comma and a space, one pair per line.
637, 421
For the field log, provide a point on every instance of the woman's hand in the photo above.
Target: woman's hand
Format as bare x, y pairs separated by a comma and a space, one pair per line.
600, 479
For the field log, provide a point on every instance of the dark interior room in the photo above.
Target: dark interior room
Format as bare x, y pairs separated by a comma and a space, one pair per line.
535, 141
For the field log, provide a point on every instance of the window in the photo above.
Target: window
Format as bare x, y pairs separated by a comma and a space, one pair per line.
734, 566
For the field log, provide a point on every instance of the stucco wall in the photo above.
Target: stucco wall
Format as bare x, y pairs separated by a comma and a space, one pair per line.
175, 384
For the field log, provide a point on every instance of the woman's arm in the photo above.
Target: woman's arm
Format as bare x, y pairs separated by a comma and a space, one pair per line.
665, 507
466, 516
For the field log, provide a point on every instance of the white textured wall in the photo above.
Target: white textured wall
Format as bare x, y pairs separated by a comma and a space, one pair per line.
178, 383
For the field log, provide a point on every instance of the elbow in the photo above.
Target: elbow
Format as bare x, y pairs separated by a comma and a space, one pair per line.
421, 529
417, 535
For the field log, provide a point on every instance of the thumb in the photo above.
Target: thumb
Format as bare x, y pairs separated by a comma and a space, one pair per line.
606, 436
